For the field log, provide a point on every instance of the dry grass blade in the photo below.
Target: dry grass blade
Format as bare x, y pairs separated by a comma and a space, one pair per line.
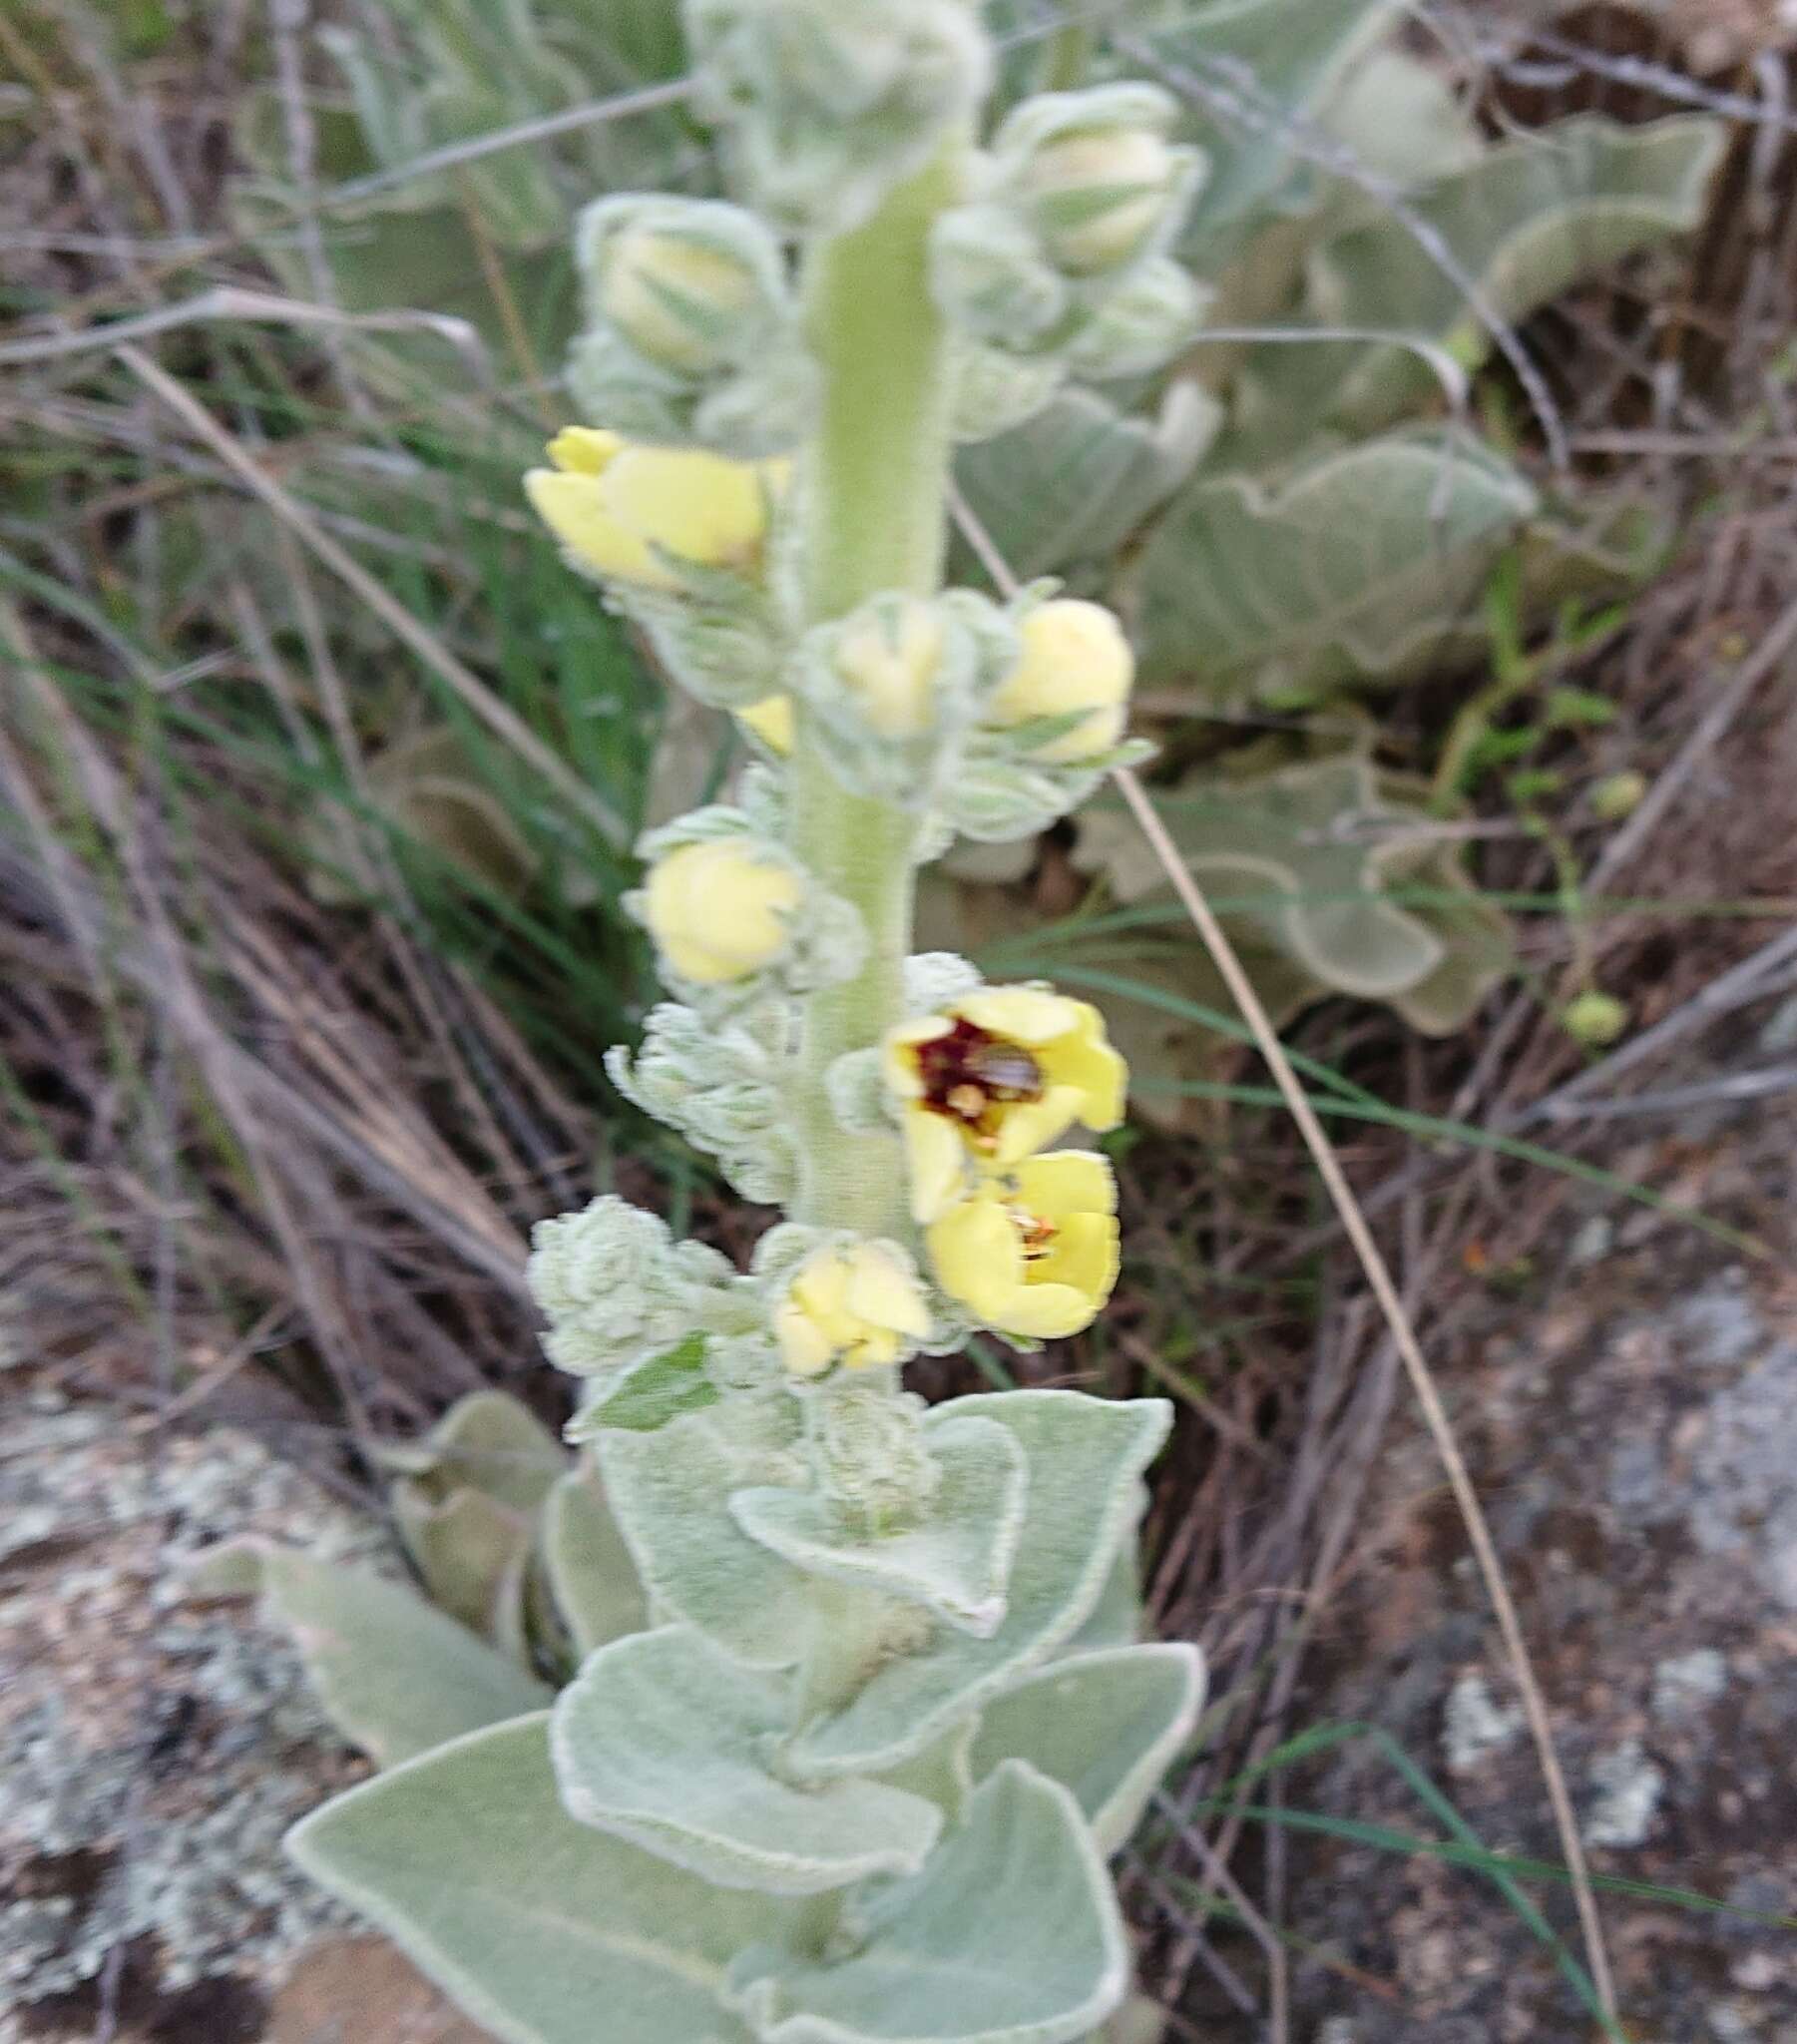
1385, 1291
502, 720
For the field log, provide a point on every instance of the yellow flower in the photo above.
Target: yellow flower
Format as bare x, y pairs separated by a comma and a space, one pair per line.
720, 910
995, 1076
1034, 1253
1100, 195
889, 660
1075, 658
771, 721
675, 301
613, 503
861, 1306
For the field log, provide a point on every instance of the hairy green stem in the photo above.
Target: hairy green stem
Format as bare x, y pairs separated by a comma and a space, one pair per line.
876, 518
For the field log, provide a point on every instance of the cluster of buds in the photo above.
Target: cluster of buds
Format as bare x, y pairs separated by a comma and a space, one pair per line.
736, 918
718, 1083
691, 328
827, 104
1059, 266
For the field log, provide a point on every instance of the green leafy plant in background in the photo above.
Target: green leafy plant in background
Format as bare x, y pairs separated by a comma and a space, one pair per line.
795, 1710
1290, 508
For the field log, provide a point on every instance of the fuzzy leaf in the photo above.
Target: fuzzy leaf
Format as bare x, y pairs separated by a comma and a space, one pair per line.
1527, 220
395, 1676
1402, 119
1010, 1935
1138, 2022
1085, 1456
956, 1562
669, 1492
1360, 563
591, 1575
1309, 857
471, 1551
543, 1931
663, 1741
487, 1441
1284, 58
1115, 1618
1106, 1726
1079, 476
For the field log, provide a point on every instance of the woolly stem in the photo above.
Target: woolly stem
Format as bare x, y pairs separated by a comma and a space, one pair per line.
875, 496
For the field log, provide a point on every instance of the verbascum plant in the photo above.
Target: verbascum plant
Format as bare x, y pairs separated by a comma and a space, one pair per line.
861, 1712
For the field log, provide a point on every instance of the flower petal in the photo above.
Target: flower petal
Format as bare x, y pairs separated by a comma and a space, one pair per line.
1067, 1181
1028, 1124
573, 508
1027, 1014
883, 1292
935, 1161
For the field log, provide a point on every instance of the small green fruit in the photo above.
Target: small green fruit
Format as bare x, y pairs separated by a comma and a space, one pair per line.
1595, 1018
1619, 795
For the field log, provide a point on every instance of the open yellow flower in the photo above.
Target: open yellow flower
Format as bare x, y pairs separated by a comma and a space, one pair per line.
996, 1075
771, 721
720, 910
860, 1305
613, 504
1033, 1254
1075, 660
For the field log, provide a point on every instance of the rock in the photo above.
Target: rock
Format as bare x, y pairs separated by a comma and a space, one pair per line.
1684, 1682
1473, 1726
1629, 1787
153, 1749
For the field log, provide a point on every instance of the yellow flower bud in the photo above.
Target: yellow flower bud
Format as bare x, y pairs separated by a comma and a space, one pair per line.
771, 721
1099, 195
1075, 658
889, 662
613, 504
1595, 1018
860, 1305
995, 1076
720, 909
1035, 1254
675, 301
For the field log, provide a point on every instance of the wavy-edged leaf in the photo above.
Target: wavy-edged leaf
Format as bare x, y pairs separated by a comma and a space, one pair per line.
661, 1740
472, 1552
1085, 1458
1527, 222
394, 1675
589, 1569
670, 1494
1361, 564
487, 1441
1278, 60
956, 1561
543, 1931
1523, 223
1105, 1726
1011, 1935
1075, 480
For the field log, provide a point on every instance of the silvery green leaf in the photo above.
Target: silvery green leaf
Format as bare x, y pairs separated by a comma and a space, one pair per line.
487, 1441
942, 1773
1106, 1726
1357, 563
670, 1491
543, 1931
661, 1740
955, 1560
1115, 1618
591, 1575
1524, 222
1010, 1935
394, 1675
1277, 60
1075, 478
1085, 1456
1402, 119
470, 1550
1138, 2022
